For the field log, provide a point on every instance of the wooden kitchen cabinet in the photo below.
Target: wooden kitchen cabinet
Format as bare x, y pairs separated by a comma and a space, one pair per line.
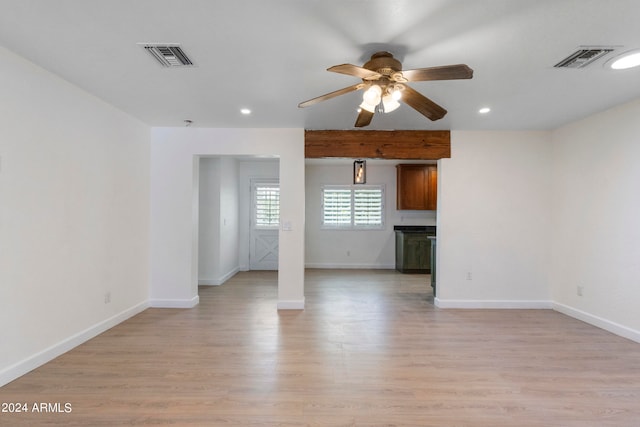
417, 187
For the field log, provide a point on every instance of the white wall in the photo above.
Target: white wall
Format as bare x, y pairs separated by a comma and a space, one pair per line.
209, 217
174, 206
326, 248
218, 220
74, 216
494, 220
596, 219
229, 218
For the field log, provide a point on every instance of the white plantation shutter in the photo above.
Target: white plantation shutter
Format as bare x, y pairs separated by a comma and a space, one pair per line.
267, 200
349, 207
336, 210
367, 207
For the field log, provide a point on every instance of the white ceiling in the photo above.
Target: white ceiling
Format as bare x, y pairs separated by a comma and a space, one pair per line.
269, 55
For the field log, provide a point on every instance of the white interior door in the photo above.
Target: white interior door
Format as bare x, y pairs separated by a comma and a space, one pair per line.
265, 224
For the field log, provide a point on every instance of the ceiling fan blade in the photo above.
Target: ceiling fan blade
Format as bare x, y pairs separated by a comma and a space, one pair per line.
446, 72
331, 95
364, 118
353, 70
422, 104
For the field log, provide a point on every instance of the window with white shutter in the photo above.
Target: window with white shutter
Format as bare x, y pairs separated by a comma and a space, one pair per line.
336, 207
367, 207
267, 205
351, 207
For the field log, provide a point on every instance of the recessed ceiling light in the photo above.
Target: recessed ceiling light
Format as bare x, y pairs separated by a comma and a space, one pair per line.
484, 110
245, 111
626, 60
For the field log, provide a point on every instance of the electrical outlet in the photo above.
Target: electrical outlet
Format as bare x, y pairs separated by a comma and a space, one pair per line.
579, 290
107, 297
348, 253
468, 275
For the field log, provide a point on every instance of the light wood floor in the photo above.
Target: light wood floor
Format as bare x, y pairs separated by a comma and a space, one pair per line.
369, 350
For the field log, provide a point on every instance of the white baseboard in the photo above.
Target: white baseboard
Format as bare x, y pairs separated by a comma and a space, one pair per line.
291, 304
501, 304
209, 282
601, 323
219, 281
174, 303
18, 369
351, 266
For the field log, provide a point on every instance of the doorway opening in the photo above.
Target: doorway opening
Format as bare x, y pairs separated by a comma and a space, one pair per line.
238, 216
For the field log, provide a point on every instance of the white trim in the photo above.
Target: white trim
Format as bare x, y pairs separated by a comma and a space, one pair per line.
351, 266
501, 304
599, 322
219, 281
32, 362
174, 303
291, 305
209, 282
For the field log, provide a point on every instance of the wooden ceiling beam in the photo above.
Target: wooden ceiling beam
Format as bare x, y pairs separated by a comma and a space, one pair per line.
373, 144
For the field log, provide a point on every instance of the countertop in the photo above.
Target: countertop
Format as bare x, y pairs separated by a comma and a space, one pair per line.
429, 229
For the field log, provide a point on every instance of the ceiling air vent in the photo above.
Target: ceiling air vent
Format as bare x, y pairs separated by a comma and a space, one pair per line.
583, 57
168, 55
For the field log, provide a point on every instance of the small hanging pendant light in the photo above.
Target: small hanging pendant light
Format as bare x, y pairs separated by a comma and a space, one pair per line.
359, 172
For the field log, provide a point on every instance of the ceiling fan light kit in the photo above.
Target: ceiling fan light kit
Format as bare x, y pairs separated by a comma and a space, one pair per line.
367, 107
389, 103
381, 99
372, 97
385, 85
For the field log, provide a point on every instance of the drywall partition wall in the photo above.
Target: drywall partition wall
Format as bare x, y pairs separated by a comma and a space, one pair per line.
174, 174
229, 219
74, 216
327, 248
218, 220
493, 221
595, 236
209, 221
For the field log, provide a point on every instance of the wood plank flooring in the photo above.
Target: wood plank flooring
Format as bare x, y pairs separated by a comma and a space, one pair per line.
370, 349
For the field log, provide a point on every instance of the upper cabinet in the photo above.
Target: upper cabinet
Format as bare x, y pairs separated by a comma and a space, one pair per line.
417, 187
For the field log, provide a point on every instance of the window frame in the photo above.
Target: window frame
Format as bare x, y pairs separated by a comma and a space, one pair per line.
353, 189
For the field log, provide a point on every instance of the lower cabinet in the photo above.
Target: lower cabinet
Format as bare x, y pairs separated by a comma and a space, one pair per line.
413, 252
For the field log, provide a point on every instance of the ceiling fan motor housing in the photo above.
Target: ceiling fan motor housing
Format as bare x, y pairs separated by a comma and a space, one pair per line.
383, 63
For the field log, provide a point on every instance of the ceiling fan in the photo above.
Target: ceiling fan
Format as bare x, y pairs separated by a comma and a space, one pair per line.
384, 85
